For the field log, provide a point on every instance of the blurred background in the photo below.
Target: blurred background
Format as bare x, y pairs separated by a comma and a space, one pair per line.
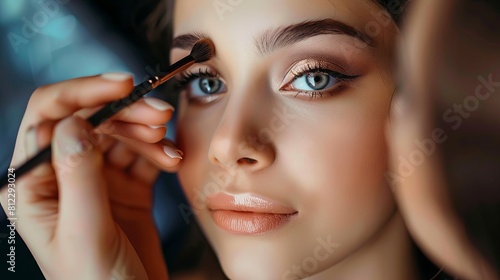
46, 41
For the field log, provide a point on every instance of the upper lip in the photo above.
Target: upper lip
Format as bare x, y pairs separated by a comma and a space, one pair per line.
247, 202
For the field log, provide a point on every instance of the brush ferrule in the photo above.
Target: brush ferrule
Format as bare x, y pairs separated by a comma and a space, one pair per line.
154, 81
171, 71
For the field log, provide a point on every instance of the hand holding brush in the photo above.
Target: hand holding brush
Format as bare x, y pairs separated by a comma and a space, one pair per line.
202, 51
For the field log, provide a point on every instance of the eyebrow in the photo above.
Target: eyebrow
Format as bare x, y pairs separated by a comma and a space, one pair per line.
281, 37
285, 36
187, 41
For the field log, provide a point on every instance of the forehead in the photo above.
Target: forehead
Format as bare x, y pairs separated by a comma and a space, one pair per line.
254, 16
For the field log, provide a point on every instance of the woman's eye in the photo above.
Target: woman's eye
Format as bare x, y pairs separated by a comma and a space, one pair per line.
311, 78
203, 86
315, 81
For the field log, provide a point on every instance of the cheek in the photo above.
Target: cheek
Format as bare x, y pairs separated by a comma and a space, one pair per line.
194, 134
340, 147
196, 126
345, 165
348, 155
338, 174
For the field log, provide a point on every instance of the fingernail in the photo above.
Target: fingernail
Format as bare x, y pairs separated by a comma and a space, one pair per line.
31, 142
158, 104
117, 77
172, 153
157, 126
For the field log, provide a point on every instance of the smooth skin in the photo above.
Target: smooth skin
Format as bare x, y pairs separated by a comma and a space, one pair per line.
326, 159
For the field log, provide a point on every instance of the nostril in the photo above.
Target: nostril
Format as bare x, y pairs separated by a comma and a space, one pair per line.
247, 160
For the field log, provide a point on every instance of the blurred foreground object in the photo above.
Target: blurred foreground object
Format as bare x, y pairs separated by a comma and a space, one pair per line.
445, 137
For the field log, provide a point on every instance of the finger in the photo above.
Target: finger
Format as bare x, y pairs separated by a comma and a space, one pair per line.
30, 187
38, 137
56, 101
144, 170
123, 157
84, 205
163, 154
148, 111
140, 132
120, 156
137, 196
105, 142
67, 97
33, 197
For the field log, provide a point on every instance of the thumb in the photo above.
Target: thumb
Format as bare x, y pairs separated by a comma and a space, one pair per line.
84, 211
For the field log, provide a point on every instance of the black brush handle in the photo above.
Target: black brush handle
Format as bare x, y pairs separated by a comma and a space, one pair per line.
114, 107
97, 118
106, 112
42, 156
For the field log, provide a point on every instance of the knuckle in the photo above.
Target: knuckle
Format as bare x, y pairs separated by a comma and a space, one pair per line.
42, 93
36, 95
153, 135
63, 126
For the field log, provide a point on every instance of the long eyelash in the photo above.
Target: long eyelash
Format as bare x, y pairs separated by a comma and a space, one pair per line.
186, 77
317, 67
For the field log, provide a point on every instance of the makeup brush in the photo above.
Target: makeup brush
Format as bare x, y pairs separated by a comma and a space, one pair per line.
202, 50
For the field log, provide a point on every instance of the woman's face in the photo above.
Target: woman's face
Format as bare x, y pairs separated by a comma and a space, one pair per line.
283, 130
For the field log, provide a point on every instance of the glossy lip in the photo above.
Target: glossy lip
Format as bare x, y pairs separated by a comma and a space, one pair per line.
248, 213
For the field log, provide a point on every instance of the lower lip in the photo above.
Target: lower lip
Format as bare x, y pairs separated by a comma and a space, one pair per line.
249, 222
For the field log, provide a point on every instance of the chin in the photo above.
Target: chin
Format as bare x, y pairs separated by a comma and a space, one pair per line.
272, 257
254, 267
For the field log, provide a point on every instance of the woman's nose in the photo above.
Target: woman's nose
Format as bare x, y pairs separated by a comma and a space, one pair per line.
237, 142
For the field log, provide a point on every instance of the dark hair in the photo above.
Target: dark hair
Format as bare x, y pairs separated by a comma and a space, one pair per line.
394, 7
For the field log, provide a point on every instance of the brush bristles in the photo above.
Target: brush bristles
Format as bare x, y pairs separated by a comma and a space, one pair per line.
203, 50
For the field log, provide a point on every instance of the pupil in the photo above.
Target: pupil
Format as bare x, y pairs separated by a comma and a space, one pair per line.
318, 81
209, 85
